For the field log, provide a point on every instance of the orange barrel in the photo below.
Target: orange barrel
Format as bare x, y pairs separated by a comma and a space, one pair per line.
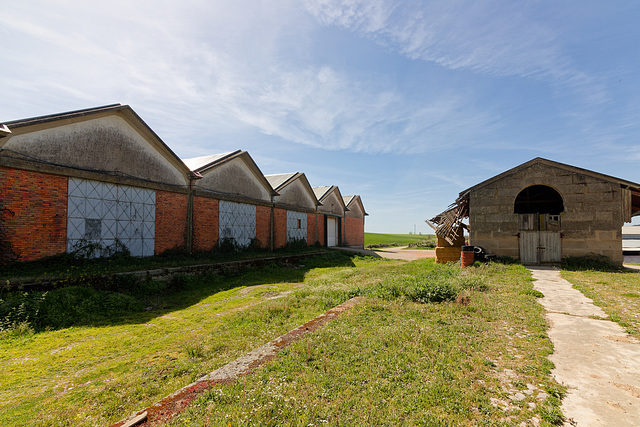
466, 256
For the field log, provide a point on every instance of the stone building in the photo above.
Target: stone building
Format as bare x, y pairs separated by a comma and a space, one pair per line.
542, 211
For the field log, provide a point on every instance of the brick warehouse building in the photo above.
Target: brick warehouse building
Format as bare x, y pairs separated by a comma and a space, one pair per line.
102, 176
296, 207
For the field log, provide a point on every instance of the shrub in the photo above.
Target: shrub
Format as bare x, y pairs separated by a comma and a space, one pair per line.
590, 261
431, 291
228, 245
294, 244
19, 308
423, 244
506, 260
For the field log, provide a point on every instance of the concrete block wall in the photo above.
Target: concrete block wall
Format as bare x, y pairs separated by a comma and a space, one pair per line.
591, 222
171, 221
205, 223
35, 217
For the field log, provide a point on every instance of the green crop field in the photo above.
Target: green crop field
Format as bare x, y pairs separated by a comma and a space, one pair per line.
381, 240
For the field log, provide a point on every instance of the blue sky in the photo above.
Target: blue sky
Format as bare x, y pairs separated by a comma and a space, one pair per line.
406, 103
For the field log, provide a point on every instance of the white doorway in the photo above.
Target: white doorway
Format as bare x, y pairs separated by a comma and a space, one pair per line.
332, 231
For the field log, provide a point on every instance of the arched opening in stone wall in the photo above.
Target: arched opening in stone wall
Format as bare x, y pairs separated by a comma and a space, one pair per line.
539, 199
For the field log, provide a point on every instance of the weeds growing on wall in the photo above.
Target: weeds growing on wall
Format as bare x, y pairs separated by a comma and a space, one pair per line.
88, 249
294, 244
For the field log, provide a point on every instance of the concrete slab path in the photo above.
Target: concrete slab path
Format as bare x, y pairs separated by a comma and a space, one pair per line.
597, 361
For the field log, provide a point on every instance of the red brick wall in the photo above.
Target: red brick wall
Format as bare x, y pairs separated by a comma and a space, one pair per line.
280, 227
205, 223
263, 225
171, 221
315, 234
354, 232
38, 226
311, 229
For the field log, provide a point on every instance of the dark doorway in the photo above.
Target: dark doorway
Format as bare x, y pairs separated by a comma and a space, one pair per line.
539, 208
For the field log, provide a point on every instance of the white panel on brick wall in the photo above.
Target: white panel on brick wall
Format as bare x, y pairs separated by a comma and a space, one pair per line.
237, 221
103, 213
296, 226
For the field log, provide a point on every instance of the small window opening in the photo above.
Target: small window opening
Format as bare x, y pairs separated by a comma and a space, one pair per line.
299, 223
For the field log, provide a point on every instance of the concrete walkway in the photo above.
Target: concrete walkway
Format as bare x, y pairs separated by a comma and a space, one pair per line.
597, 361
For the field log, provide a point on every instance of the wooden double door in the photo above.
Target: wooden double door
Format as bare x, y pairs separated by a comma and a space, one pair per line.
540, 239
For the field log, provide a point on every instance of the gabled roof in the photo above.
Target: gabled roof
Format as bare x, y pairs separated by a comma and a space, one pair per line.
204, 164
280, 181
25, 126
540, 160
323, 192
633, 186
60, 116
198, 164
349, 200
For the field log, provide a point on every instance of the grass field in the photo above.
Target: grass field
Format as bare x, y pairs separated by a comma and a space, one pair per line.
617, 292
428, 346
388, 240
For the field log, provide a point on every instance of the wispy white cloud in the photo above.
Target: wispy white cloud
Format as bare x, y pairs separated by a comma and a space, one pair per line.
499, 38
491, 36
224, 67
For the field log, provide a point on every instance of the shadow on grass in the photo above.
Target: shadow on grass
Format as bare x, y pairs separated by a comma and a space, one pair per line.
140, 302
66, 265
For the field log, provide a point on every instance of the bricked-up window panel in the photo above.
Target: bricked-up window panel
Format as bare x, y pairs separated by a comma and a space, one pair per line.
103, 213
296, 226
238, 222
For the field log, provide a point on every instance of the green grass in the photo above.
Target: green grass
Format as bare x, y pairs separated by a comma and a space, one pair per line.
398, 357
389, 240
616, 292
393, 361
96, 372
